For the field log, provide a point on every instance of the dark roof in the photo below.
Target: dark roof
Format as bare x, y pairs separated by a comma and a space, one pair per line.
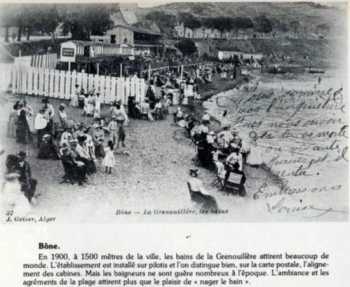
138, 30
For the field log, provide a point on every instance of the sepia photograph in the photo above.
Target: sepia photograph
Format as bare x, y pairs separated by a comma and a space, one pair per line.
173, 112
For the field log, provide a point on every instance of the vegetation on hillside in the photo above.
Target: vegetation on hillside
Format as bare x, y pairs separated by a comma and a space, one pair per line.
262, 17
81, 20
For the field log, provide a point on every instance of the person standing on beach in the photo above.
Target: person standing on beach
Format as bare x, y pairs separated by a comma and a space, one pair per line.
23, 134
113, 130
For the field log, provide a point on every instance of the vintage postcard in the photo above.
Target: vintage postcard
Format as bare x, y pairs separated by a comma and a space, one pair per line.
173, 112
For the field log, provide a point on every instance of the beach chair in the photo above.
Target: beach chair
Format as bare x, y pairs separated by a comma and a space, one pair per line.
232, 183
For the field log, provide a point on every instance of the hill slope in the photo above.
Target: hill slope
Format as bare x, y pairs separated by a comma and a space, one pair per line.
308, 14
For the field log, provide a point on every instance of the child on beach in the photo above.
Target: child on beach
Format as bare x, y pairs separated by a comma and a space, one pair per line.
113, 129
109, 160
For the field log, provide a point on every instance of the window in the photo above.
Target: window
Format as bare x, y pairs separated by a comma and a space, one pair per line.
112, 39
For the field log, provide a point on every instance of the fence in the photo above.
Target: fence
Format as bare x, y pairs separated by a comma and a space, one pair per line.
5, 76
61, 84
45, 61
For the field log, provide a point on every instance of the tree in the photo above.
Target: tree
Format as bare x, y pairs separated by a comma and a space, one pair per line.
263, 24
223, 24
29, 17
7, 18
164, 20
12, 15
190, 21
84, 20
48, 19
187, 47
241, 23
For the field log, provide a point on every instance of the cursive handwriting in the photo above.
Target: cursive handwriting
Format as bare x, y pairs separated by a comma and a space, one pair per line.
282, 207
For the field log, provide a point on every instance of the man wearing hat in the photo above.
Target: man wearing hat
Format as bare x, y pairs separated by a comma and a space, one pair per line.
234, 163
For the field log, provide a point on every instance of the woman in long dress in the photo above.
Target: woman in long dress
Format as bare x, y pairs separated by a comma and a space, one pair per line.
13, 117
23, 134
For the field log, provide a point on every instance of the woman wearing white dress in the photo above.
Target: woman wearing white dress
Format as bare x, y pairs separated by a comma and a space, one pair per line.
109, 160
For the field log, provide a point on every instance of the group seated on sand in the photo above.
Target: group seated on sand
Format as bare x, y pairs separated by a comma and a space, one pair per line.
221, 149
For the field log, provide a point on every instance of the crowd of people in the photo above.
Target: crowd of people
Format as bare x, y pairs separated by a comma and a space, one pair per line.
221, 149
83, 147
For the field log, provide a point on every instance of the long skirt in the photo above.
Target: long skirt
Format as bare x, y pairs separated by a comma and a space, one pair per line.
23, 134
11, 126
29, 188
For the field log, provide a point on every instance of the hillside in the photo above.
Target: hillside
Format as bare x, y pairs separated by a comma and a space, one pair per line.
308, 14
